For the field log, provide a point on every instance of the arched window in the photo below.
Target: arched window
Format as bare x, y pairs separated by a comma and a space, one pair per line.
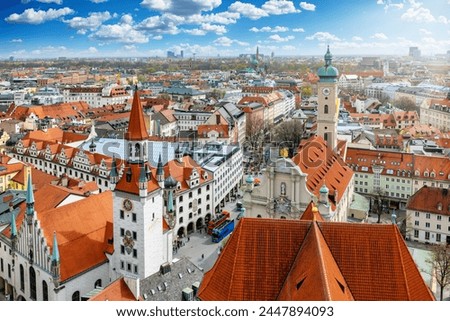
32, 283
44, 291
76, 296
22, 278
137, 150
325, 109
98, 284
180, 220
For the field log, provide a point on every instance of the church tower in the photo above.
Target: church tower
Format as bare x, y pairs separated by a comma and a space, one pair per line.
328, 102
142, 238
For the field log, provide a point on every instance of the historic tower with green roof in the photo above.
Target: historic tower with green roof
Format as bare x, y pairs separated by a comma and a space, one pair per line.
328, 102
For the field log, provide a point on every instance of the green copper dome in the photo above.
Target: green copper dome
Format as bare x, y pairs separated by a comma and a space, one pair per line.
328, 73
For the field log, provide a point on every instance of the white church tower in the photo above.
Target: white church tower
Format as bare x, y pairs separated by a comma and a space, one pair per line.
328, 102
142, 237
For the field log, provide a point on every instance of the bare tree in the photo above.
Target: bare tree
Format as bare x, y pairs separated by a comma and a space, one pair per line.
440, 261
288, 134
407, 104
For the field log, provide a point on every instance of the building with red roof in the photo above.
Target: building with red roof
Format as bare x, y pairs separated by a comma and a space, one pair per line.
428, 215
313, 260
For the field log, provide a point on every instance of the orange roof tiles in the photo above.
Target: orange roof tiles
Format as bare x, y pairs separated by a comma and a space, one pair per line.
322, 165
205, 129
268, 259
430, 199
39, 178
132, 186
55, 135
318, 280
311, 213
136, 126
81, 231
116, 291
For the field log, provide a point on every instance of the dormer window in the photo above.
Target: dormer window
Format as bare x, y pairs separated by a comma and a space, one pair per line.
426, 174
439, 206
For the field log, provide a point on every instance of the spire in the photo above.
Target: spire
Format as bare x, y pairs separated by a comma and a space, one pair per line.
55, 250
136, 126
142, 178
159, 170
55, 262
114, 174
30, 197
13, 226
328, 57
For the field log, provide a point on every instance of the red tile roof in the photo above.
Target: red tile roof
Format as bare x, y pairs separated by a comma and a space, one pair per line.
132, 186
136, 126
81, 231
116, 291
322, 164
84, 228
39, 178
269, 259
430, 199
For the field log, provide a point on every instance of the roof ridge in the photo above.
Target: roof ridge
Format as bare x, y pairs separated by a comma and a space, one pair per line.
402, 261
323, 274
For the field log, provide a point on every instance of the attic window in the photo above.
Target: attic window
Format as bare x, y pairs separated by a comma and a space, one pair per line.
299, 284
341, 286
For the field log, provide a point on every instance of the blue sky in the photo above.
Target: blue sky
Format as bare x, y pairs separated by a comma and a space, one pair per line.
130, 28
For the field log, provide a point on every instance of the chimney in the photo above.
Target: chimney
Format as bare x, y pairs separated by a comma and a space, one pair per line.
217, 119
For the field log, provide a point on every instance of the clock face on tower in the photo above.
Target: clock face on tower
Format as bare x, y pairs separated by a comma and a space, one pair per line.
326, 91
127, 205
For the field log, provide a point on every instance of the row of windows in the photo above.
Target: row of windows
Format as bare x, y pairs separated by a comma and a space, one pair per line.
428, 216
427, 236
428, 225
129, 267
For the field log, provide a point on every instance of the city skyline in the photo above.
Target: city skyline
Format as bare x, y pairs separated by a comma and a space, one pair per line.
150, 28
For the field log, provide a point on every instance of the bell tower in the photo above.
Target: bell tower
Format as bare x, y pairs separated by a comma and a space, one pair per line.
328, 102
142, 237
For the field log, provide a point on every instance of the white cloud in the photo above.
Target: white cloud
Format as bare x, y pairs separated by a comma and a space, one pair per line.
307, 6
227, 42
92, 50
50, 1
380, 36
217, 29
278, 7
166, 23
356, 38
224, 18
92, 22
417, 13
270, 29
31, 16
425, 31
443, 20
157, 37
129, 47
17, 40
278, 38
181, 7
323, 36
124, 32
380, 2
298, 30
195, 32
247, 10
98, 1
49, 51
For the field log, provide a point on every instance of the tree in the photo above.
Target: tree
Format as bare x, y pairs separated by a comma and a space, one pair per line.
440, 261
407, 104
307, 91
288, 134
